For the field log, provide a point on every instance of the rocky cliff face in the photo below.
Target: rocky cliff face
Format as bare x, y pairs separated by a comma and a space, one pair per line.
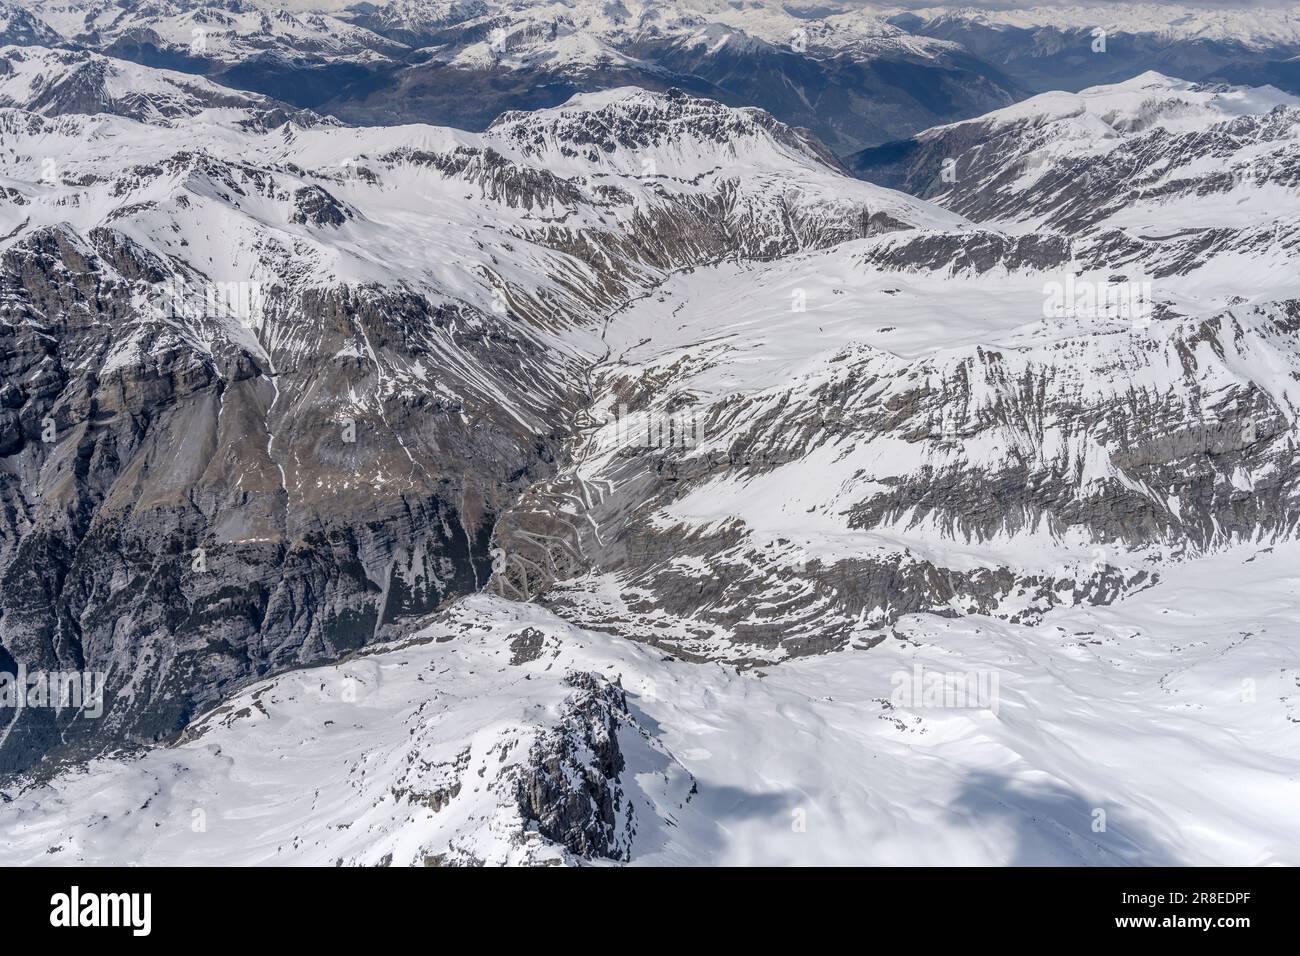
183, 515
570, 788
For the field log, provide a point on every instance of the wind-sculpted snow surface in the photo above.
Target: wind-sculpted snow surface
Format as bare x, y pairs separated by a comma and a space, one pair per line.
1156, 731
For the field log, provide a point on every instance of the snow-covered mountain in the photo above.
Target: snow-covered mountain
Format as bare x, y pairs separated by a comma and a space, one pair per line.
1072, 46
858, 75
370, 342
915, 421
22, 26
1153, 169
1261, 26
62, 82
221, 31
613, 463
845, 73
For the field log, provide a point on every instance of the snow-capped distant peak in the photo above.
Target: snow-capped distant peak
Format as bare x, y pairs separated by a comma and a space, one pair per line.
633, 130
1149, 99
211, 30
1260, 26
59, 82
22, 26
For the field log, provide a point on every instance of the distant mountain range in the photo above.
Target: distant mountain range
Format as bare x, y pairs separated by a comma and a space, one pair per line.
1071, 47
856, 77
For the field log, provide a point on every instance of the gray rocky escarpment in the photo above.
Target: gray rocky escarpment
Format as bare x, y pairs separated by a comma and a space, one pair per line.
1177, 455
206, 512
975, 253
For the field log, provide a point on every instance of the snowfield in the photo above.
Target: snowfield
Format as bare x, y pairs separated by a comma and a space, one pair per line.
1159, 731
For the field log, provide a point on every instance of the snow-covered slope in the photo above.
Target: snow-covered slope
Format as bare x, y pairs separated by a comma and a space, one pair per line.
911, 441
61, 82
1160, 731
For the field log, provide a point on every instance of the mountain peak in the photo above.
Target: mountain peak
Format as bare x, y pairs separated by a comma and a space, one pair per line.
672, 132
55, 82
